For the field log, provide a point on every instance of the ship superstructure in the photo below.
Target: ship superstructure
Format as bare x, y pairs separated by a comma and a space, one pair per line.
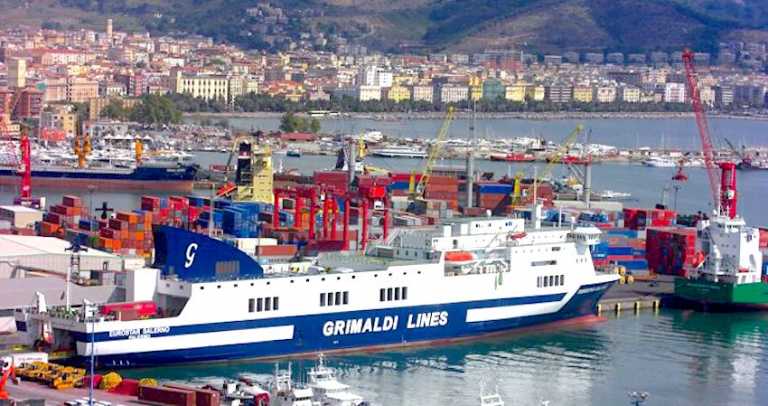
466, 278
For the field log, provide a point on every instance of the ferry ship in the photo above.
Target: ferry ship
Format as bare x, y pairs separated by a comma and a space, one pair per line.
398, 152
459, 280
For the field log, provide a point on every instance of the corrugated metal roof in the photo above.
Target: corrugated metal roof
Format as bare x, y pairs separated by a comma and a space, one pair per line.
22, 245
19, 209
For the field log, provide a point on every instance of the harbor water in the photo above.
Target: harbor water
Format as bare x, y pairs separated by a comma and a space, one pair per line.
679, 357
677, 132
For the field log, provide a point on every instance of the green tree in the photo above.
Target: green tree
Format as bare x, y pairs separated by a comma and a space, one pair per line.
314, 125
156, 109
115, 110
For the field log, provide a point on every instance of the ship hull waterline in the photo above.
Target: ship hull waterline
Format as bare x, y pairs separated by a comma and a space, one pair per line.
718, 296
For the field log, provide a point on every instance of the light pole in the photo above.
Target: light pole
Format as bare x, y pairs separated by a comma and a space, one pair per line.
92, 316
638, 398
91, 188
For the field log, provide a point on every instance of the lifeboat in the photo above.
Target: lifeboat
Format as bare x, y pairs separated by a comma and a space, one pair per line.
459, 257
516, 236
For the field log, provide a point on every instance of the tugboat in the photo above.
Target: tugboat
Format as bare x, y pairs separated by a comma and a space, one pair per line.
727, 270
327, 390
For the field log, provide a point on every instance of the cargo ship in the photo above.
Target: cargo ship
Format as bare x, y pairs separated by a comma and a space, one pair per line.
170, 177
728, 266
463, 279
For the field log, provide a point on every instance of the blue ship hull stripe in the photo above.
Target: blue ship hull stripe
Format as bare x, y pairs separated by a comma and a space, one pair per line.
298, 320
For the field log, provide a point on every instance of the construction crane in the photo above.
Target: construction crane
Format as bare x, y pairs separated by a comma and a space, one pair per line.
23, 165
724, 194
434, 152
558, 155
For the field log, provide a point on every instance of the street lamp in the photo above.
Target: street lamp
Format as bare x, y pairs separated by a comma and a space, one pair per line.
638, 398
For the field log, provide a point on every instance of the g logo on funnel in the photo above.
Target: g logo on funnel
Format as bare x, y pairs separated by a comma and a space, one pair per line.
191, 252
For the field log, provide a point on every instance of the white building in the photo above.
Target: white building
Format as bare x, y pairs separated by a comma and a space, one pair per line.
606, 94
674, 92
372, 75
630, 94
422, 93
365, 93
449, 93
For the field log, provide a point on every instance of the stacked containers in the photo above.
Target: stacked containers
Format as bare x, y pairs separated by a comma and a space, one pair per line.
401, 182
129, 233
445, 188
670, 250
494, 196
622, 247
62, 216
157, 206
639, 219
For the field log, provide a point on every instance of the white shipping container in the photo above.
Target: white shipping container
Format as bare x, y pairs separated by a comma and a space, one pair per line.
249, 244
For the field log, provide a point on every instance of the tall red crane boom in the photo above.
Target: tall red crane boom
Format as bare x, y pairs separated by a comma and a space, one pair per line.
723, 193
23, 164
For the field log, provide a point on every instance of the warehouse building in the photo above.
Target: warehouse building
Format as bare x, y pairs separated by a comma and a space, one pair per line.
48, 254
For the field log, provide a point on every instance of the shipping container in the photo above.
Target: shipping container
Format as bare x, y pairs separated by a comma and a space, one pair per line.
203, 397
167, 396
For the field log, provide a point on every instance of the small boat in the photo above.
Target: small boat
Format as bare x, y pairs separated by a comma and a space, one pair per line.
659, 162
398, 152
513, 157
611, 195
294, 153
458, 258
327, 390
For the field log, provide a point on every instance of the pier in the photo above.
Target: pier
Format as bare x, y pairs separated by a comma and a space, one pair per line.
640, 295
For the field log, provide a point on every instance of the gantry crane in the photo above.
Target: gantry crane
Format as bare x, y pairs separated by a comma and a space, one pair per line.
417, 191
724, 194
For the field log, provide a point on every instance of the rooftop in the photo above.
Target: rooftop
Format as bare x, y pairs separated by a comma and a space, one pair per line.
21, 245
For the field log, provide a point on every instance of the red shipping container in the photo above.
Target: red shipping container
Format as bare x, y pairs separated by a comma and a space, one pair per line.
203, 397
128, 387
167, 396
763, 237
71, 201
130, 217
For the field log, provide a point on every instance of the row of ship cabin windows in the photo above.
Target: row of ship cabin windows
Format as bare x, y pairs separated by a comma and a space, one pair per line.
334, 298
550, 280
390, 294
263, 304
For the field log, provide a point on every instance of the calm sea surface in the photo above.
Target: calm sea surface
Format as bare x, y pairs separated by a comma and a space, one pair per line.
681, 358
621, 132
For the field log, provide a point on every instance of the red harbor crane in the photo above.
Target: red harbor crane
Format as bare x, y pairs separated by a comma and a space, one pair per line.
23, 165
724, 195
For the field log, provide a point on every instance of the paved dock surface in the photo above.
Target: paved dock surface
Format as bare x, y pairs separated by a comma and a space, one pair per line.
31, 390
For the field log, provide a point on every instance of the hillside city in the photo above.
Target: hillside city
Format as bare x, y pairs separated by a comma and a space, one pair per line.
53, 74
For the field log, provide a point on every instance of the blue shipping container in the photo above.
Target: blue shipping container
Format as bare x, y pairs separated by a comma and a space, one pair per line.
636, 264
495, 188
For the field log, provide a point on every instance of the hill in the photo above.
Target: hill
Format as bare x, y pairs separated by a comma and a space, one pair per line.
454, 25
